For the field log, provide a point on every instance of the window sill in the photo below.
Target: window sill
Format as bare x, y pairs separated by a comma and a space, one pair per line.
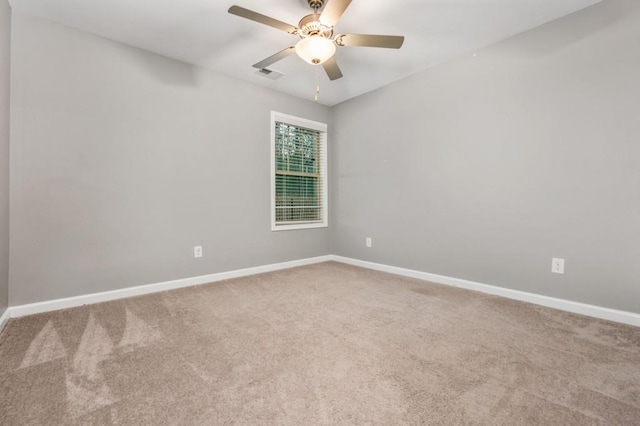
291, 227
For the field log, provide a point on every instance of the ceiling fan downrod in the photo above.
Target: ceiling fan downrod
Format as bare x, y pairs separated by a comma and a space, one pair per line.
315, 4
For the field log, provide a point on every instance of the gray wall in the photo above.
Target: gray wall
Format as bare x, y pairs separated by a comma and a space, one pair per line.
483, 168
123, 160
486, 167
5, 56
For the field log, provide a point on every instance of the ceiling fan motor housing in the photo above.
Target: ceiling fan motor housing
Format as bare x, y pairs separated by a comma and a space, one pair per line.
311, 26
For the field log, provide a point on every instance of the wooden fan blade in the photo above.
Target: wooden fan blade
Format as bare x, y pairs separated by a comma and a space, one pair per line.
275, 58
333, 11
262, 19
332, 68
369, 40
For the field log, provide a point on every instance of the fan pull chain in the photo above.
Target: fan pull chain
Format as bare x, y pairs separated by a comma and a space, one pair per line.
315, 98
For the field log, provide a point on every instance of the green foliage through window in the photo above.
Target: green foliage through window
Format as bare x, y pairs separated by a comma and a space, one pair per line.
298, 184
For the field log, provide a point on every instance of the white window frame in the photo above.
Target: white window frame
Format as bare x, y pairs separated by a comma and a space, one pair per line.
313, 125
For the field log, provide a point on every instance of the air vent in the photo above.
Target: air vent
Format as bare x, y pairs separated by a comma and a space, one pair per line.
270, 74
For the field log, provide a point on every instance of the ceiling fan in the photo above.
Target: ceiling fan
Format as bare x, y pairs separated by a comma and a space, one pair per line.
317, 44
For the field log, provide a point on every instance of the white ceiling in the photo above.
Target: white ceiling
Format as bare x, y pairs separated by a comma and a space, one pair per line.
201, 32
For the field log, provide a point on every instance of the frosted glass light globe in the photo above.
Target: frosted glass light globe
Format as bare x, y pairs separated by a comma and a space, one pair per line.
315, 49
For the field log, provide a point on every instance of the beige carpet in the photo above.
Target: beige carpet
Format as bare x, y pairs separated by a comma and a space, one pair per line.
323, 344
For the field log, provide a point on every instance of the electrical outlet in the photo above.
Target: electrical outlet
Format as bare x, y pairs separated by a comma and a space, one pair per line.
557, 266
368, 242
197, 251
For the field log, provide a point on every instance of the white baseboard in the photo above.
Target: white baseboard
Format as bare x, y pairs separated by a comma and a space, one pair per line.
624, 317
4, 318
88, 299
551, 302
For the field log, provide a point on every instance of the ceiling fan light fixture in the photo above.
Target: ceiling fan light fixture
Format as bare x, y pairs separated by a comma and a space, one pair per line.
315, 49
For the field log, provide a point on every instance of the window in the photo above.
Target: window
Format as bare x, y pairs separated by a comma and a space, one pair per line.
298, 173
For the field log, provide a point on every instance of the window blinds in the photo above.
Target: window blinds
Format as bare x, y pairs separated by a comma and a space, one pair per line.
299, 180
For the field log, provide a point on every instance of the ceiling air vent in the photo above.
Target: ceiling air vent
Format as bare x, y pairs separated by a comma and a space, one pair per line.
270, 74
